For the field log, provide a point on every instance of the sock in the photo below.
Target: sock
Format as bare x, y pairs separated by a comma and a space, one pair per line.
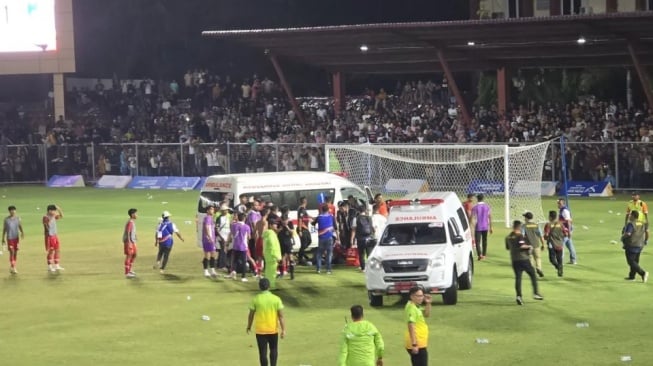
212, 262
205, 263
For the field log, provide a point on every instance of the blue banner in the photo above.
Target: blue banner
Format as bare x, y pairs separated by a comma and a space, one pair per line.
587, 189
66, 181
140, 182
487, 187
184, 183
201, 183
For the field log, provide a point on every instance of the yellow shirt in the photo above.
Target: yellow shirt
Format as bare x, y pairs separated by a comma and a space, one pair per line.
266, 318
415, 315
640, 207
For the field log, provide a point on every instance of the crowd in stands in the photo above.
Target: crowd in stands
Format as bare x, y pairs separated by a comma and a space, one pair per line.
206, 111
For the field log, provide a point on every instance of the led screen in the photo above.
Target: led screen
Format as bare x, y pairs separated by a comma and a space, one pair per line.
27, 26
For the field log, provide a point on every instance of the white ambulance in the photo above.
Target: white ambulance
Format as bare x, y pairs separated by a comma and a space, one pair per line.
427, 243
282, 188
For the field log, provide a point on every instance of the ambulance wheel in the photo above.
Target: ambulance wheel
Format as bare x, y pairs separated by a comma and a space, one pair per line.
375, 300
450, 295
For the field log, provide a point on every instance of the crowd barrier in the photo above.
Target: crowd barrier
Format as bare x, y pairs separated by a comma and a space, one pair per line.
625, 165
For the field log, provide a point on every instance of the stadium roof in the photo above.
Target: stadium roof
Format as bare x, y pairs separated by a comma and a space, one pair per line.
400, 48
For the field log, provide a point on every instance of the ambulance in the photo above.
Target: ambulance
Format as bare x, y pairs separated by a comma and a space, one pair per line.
280, 188
427, 243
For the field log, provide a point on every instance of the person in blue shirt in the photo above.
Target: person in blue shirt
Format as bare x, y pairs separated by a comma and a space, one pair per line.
325, 225
163, 239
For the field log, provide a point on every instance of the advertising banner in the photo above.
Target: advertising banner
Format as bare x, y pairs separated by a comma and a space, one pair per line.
113, 181
66, 181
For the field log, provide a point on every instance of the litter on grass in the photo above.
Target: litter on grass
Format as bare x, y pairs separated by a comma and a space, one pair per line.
206, 317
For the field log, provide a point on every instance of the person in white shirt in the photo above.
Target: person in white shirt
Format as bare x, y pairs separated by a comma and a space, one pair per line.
379, 223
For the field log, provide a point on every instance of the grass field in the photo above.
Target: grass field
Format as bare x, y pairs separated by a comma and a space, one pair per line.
90, 314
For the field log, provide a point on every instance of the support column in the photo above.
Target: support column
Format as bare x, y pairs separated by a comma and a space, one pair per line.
503, 91
59, 96
286, 88
555, 7
467, 119
643, 75
473, 9
338, 82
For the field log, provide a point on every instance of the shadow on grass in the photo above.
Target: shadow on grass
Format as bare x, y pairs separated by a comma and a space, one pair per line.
174, 278
287, 296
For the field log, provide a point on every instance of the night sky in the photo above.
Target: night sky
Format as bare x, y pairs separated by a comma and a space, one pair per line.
160, 38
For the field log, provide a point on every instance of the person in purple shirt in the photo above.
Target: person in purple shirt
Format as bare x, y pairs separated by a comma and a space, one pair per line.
482, 222
208, 243
240, 235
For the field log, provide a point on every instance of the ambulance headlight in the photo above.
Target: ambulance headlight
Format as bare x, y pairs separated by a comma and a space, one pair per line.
438, 261
374, 264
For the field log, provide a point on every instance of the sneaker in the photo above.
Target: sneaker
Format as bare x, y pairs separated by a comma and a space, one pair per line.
244, 279
59, 268
51, 268
519, 300
539, 272
12, 270
318, 271
537, 297
206, 273
231, 275
328, 272
130, 275
560, 272
157, 265
480, 257
645, 277
162, 271
629, 278
213, 273
573, 262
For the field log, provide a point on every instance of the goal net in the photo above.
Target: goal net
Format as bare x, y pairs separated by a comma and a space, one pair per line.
509, 177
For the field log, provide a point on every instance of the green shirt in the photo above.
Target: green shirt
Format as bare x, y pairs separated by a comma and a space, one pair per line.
414, 314
361, 344
266, 306
271, 246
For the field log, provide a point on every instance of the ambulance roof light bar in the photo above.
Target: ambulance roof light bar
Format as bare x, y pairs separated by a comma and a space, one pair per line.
416, 202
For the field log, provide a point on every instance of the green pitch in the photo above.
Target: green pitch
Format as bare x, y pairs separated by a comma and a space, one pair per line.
91, 315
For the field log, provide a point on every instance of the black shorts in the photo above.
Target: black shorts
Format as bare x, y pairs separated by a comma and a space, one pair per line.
286, 248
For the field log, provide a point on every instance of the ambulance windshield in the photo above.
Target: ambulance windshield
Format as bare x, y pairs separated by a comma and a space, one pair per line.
414, 234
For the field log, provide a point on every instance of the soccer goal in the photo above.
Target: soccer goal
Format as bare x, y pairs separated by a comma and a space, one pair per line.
508, 176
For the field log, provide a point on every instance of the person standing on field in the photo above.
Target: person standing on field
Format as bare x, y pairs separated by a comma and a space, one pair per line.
209, 243
239, 237
468, 204
129, 241
10, 237
361, 343
266, 312
416, 336
271, 251
531, 231
520, 256
379, 223
564, 216
362, 236
633, 243
636, 204
164, 241
555, 233
52, 245
482, 219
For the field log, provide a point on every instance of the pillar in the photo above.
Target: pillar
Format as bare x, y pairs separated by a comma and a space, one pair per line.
642, 74
503, 91
338, 83
467, 118
59, 95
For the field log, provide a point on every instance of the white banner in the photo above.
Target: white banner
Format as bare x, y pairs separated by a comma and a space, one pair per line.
113, 181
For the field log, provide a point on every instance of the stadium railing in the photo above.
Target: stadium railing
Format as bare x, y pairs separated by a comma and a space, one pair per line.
628, 164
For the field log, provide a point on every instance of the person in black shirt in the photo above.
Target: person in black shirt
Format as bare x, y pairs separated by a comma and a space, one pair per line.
520, 250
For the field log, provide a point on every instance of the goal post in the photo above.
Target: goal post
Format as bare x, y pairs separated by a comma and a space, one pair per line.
508, 176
